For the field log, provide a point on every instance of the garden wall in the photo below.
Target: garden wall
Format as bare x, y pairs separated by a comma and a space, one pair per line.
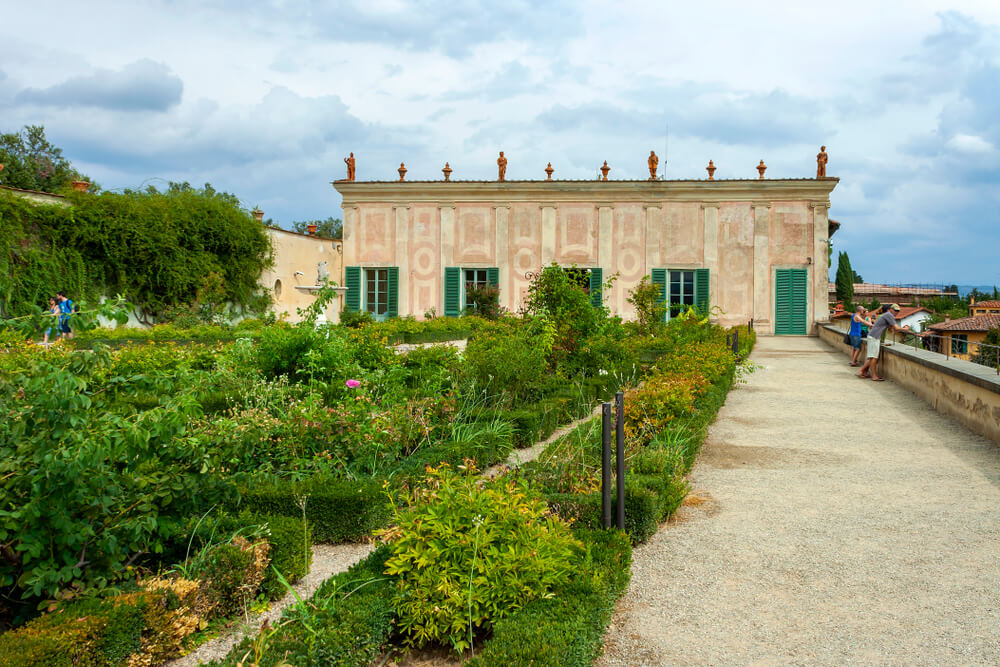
960, 389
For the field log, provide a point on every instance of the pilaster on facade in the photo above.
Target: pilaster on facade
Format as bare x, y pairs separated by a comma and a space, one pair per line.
402, 255
605, 240
447, 212
710, 258
820, 262
501, 215
762, 289
349, 234
548, 253
653, 231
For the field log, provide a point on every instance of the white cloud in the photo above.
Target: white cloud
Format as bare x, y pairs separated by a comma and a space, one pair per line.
274, 94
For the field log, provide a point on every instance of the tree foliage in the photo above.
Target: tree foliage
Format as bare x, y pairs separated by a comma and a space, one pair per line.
845, 280
30, 162
331, 228
155, 248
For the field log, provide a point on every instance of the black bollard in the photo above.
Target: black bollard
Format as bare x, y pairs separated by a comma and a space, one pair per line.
620, 457
736, 342
606, 464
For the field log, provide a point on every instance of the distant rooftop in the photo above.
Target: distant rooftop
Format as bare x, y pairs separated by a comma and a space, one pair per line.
978, 323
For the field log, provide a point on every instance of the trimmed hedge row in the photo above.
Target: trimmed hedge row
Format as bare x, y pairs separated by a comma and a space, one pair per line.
566, 628
154, 620
346, 623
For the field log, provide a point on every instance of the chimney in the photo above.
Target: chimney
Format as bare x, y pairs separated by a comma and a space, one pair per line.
947, 318
312, 229
972, 299
81, 186
257, 214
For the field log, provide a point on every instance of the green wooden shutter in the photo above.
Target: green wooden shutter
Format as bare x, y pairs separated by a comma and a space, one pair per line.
660, 280
352, 280
800, 290
493, 277
791, 306
596, 282
782, 302
701, 290
393, 300
452, 290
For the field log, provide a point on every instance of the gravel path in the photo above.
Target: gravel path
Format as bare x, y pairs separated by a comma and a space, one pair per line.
328, 560
519, 457
806, 541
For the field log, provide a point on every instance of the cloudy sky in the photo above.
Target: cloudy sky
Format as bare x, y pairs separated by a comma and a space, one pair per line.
264, 99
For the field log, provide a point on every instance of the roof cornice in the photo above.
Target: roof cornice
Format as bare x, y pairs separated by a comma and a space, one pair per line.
809, 189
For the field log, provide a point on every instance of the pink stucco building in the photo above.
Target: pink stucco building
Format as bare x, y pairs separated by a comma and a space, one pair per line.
755, 249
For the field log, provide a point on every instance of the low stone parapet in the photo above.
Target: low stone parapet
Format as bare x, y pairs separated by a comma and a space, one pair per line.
960, 389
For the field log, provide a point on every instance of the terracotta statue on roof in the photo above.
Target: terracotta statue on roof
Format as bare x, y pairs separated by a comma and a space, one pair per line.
821, 159
349, 161
653, 164
501, 167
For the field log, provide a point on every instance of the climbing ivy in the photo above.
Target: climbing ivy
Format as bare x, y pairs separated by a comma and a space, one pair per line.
154, 248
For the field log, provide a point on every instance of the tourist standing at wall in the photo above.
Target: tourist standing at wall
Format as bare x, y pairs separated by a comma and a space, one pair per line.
860, 318
887, 322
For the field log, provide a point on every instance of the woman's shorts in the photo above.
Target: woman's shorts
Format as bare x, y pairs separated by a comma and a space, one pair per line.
856, 342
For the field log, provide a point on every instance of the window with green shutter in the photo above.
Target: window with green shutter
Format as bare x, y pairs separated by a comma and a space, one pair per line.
381, 292
660, 280
791, 302
596, 286
683, 288
452, 290
352, 281
393, 292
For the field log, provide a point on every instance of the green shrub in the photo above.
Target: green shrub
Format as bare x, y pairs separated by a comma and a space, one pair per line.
337, 510
234, 571
346, 623
527, 424
354, 319
90, 633
281, 350
565, 628
510, 362
642, 510
291, 552
468, 552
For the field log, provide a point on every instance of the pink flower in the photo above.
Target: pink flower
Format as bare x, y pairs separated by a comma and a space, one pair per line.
353, 384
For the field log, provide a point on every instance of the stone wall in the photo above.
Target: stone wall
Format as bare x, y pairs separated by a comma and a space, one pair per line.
965, 391
742, 231
297, 259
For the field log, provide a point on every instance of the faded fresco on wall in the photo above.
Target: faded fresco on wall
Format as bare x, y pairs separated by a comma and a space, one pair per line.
475, 235
524, 247
791, 233
376, 236
628, 255
682, 235
576, 235
734, 277
424, 233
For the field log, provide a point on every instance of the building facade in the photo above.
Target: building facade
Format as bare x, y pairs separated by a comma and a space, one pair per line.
301, 263
751, 249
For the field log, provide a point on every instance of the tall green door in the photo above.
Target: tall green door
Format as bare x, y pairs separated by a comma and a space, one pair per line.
791, 302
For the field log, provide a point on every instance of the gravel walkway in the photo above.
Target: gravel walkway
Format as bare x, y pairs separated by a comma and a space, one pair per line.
807, 541
328, 560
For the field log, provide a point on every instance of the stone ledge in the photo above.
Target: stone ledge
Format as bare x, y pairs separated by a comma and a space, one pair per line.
981, 376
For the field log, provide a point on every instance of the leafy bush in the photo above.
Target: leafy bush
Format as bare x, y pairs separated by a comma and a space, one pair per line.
468, 552
566, 627
649, 306
649, 408
354, 319
87, 489
510, 363
234, 571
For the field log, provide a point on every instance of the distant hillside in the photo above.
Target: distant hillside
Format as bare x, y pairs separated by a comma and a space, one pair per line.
963, 290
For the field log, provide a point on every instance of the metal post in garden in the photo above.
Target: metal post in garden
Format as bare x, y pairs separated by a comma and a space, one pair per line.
736, 341
620, 458
606, 464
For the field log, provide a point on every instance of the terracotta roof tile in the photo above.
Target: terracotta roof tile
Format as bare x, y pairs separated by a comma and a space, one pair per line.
985, 304
978, 323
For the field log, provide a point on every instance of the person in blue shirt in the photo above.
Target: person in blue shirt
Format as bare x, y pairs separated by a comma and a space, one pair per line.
860, 318
53, 310
65, 310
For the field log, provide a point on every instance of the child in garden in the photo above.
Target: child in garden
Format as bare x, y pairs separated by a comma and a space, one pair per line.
54, 310
65, 310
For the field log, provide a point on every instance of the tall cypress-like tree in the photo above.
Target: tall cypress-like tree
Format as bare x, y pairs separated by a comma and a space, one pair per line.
845, 280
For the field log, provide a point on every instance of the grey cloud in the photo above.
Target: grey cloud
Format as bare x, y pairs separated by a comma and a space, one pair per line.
141, 86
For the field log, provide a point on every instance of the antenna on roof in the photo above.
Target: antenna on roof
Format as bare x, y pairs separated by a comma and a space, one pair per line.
666, 149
